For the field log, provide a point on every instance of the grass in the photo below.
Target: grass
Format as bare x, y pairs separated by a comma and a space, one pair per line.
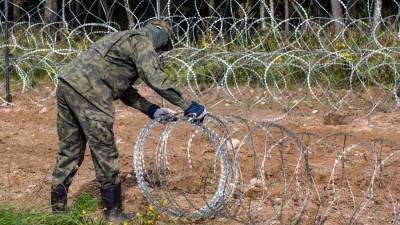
82, 212
85, 211
373, 65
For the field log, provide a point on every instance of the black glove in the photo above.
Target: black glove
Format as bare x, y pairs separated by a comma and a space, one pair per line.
196, 111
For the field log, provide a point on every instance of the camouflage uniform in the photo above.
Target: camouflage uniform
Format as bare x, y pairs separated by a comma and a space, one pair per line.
88, 86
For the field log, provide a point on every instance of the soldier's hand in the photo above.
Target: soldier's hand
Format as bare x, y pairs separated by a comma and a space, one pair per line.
196, 111
162, 115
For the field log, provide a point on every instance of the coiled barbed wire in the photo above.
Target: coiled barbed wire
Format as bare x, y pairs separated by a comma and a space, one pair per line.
232, 50
233, 168
226, 183
274, 176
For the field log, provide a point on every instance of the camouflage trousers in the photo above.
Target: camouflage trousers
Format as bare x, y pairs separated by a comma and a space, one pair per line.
79, 122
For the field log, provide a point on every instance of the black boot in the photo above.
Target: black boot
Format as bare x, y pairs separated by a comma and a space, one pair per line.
59, 199
112, 204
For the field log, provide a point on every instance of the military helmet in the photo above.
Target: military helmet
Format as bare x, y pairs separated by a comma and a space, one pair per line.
162, 34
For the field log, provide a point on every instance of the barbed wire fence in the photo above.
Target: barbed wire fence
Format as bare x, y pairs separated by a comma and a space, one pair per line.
335, 62
251, 172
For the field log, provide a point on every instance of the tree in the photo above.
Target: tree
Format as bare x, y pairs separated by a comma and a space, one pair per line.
129, 14
377, 13
315, 9
17, 5
272, 8
337, 13
163, 8
263, 6
223, 9
77, 11
211, 7
396, 21
352, 8
50, 11
286, 9
262, 14
296, 8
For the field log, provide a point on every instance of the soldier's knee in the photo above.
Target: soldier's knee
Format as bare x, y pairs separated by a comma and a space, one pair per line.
106, 181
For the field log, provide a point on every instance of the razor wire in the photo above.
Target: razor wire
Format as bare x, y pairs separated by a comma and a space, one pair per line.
230, 168
264, 173
232, 49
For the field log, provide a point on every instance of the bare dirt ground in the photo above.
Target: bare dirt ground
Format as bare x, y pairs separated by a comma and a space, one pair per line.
28, 146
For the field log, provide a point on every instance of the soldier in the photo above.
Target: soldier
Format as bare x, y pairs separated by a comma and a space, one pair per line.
87, 87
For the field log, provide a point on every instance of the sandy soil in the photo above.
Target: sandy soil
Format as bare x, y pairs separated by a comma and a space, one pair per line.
28, 146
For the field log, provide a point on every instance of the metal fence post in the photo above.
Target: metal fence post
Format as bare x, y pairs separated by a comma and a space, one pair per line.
7, 97
158, 9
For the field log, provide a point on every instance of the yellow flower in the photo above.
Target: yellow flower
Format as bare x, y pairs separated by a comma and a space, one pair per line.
150, 208
347, 55
110, 223
340, 45
83, 212
210, 33
158, 217
138, 216
125, 223
150, 222
204, 42
164, 202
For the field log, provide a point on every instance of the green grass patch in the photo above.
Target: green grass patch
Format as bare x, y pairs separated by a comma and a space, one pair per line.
84, 211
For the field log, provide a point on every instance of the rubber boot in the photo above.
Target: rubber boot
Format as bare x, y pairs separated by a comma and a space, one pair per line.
112, 204
59, 199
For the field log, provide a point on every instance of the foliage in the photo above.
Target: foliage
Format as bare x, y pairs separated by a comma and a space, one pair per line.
83, 212
84, 205
257, 58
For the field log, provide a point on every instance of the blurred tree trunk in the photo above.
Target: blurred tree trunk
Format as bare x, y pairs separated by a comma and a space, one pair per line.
211, 7
228, 12
50, 11
64, 20
352, 7
163, 8
262, 15
223, 8
77, 11
377, 13
129, 14
337, 14
396, 21
315, 9
17, 4
296, 8
286, 6
272, 7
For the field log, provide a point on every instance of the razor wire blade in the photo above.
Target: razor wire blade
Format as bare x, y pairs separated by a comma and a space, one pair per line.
264, 173
358, 63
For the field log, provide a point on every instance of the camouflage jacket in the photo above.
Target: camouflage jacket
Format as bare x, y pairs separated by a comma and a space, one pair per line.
107, 70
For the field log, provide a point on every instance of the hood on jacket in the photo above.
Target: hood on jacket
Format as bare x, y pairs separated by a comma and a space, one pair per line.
161, 37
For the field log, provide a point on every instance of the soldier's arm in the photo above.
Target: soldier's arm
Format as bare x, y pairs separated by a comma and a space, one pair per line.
149, 67
133, 99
